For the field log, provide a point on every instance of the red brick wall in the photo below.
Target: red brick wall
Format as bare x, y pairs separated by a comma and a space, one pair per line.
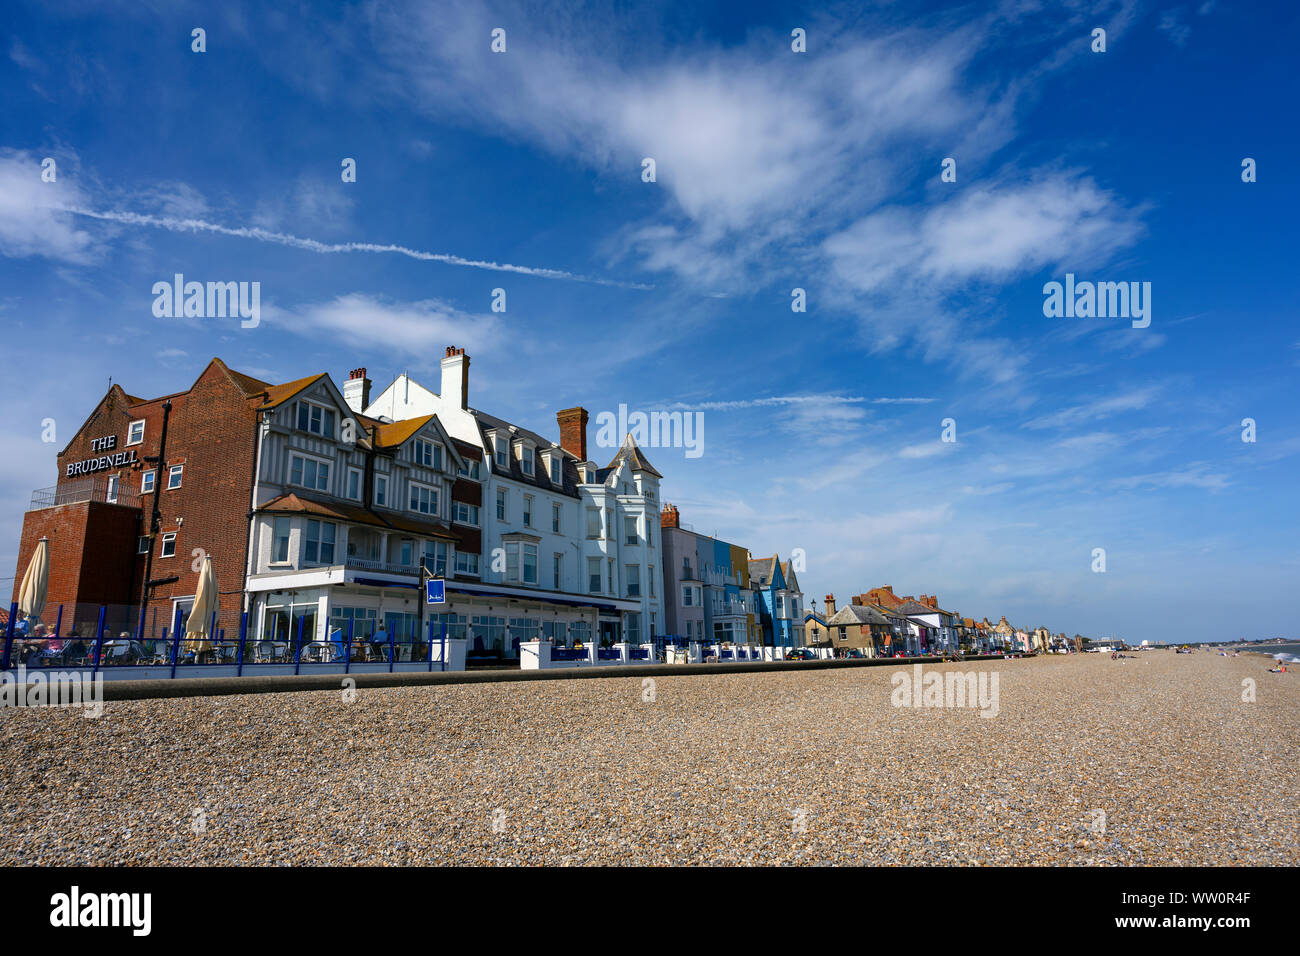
573, 431
212, 433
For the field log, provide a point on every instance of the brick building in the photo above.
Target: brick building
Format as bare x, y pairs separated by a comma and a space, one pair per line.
320, 511
96, 517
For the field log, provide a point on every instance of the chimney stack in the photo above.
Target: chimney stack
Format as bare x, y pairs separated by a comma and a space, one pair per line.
669, 518
356, 391
573, 431
830, 606
455, 375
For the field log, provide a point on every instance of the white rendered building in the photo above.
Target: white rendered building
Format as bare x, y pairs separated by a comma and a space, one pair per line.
570, 551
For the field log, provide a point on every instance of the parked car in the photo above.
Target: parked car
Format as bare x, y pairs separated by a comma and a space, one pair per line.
801, 654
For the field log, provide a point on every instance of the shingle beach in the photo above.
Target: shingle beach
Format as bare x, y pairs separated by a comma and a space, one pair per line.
791, 767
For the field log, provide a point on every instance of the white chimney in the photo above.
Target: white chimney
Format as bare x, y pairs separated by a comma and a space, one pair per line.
356, 391
455, 376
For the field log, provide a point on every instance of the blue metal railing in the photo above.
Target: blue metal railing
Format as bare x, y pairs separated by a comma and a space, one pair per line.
245, 653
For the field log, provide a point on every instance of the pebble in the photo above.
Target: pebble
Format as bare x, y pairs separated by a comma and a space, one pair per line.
799, 768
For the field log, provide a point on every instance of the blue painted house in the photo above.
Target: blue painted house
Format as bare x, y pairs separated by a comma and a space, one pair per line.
778, 602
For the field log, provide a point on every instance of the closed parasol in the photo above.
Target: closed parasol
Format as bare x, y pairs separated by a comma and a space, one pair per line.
197, 636
36, 583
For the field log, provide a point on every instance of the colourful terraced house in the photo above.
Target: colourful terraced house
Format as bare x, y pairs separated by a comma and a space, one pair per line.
777, 600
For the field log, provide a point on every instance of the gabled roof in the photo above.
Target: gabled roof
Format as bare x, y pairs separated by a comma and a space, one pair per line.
631, 453
277, 395
853, 614
392, 434
762, 571
916, 607
249, 385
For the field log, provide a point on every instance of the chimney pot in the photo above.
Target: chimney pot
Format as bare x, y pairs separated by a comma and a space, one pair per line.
356, 390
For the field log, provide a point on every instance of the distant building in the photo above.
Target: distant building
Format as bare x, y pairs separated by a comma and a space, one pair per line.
858, 626
707, 590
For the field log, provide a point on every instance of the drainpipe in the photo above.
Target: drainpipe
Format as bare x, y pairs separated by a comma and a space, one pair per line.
155, 516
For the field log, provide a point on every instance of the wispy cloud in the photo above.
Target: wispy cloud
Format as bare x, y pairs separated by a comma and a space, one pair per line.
371, 325
1133, 400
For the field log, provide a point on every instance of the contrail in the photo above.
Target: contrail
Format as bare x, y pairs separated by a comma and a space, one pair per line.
798, 400
312, 245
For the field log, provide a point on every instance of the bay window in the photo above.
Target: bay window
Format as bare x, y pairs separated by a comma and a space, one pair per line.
318, 543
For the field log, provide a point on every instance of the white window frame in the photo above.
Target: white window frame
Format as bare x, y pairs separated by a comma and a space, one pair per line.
360, 477
112, 489
418, 486
503, 505
323, 409
528, 511
557, 518
527, 460
434, 457
288, 539
381, 490
472, 513
320, 540
177, 472
168, 537
151, 476
318, 462
130, 430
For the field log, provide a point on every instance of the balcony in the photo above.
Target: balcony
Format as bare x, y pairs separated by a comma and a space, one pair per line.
83, 489
726, 609
385, 567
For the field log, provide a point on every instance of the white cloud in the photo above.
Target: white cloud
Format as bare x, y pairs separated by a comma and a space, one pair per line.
986, 233
32, 220
373, 326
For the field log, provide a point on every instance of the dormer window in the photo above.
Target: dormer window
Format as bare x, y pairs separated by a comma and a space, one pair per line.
501, 450
316, 419
526, 459
554, 465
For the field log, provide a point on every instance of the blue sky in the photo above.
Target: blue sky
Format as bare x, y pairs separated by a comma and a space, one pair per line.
775, 170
